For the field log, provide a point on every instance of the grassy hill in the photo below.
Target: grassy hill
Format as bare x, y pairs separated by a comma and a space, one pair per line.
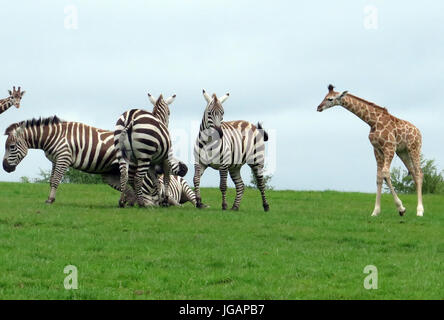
311, 245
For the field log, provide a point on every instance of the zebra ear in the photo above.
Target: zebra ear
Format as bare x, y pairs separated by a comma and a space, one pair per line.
225, 97
152, 100
170, 99
206, 96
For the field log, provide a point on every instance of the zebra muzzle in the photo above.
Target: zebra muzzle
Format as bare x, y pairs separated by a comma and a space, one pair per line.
8, 168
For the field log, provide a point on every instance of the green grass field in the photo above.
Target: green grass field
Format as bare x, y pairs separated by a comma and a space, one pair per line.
311, 245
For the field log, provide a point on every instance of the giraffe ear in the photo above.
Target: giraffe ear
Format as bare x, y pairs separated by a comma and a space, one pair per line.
342, 94
22, 93
10, 92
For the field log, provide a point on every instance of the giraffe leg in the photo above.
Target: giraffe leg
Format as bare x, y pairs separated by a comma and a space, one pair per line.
223, 172
237, 179
380, 163
258, 172
198, 172
388, 157
418, 176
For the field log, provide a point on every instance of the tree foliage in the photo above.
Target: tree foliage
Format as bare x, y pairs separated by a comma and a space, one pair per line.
71, 176
433, 179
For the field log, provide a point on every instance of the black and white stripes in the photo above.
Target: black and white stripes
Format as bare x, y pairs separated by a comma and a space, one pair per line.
66, 144
226, 147
144, 140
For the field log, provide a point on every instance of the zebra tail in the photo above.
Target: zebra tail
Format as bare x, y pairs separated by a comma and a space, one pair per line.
123, 136
264, 133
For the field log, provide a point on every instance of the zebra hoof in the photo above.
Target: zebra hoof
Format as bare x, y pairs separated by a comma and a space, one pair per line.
201, 205
234, 209
50, 201
266, 207
224, 207
121, 204
401, 213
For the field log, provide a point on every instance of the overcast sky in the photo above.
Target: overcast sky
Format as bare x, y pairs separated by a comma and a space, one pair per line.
276, 59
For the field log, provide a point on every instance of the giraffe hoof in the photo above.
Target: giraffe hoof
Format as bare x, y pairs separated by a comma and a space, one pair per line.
402, 212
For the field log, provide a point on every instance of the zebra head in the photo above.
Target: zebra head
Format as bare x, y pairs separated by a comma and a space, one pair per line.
16, 147
15, 96
161, 109
214, 112
332, 99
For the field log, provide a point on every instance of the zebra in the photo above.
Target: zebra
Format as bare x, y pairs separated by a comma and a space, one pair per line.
180, 192
142, 140
13, 100
226, 147
66, 144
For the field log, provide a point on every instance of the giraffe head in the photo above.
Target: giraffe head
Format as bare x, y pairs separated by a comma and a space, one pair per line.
15, 96
214, 112
16, 147
161, 109
333, 98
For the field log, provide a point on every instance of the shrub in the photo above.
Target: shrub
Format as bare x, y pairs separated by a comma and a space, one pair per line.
71, 176
433, 179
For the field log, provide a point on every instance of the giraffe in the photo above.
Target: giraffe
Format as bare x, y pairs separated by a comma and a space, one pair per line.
13, 100
388, 135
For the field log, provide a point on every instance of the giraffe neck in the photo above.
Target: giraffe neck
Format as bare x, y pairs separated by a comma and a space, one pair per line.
5, 104
366, 111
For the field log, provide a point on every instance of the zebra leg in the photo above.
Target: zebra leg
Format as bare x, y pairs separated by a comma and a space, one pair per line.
223, 172
123, 182
141, 171
198, 172
58, 171
187, 193
166, 183
237, 179
258, 172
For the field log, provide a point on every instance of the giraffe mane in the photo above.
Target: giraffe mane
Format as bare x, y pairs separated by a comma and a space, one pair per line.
369, 103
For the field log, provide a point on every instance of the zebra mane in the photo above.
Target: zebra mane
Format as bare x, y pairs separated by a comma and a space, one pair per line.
33, 123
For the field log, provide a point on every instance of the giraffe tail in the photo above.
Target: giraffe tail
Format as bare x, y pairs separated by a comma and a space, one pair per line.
262, 130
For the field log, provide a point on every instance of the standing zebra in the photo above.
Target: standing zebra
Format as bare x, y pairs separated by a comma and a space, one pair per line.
226, 147
141, 138
13, 100
66, 144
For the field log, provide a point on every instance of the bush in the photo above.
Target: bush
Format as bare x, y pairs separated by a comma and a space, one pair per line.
267, 181
71, 176
433, 179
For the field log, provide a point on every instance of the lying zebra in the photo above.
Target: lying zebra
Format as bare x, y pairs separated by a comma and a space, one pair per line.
179, 190
67, 144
